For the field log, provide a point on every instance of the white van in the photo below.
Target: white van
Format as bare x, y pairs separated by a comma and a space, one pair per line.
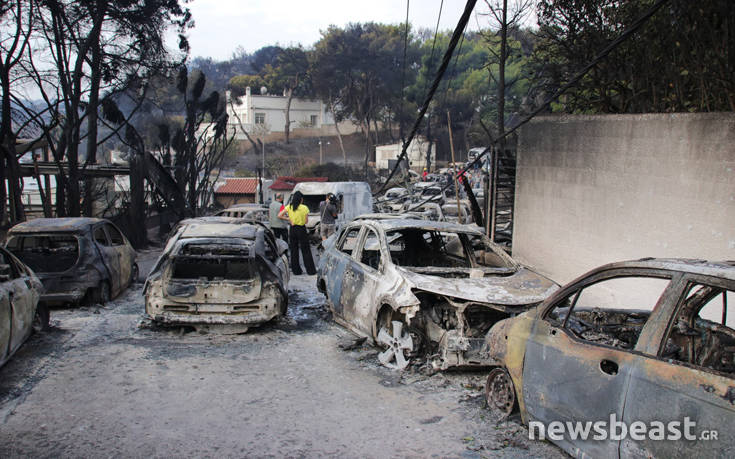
353, 199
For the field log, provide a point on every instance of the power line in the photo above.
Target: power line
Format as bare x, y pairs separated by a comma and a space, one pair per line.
456, 35
633, 28
403, 76
436, 31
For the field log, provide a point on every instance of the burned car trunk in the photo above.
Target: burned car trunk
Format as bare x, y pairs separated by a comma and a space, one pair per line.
421, 288
231, 276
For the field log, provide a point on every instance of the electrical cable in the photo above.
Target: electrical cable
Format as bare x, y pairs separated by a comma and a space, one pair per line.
456, 35
637, 24
403, 76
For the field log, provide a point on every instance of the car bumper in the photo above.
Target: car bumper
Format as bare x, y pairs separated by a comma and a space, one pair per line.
191, 314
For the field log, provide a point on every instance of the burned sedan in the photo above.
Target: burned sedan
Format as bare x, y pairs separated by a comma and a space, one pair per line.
79, 260
20, 312
648, 343
219, 274
424, 288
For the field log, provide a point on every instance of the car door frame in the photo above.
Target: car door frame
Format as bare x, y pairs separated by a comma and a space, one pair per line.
335, 267
364, 307
125, 256
679, 389
109, 258
549, 345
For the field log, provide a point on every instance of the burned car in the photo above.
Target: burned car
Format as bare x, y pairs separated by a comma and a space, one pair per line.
20, 313
418, 288
252, 212
649, 341
78, 260
219, 274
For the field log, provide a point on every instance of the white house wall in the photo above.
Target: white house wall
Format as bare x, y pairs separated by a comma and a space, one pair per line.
274, 110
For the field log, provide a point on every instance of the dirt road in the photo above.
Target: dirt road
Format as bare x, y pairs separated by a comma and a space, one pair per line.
99, 385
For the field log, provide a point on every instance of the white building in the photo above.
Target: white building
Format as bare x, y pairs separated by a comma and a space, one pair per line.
263, 114
386, 155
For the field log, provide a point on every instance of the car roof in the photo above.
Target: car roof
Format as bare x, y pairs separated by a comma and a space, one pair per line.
220, 230
65, 224
722, 269
394, 224
248, 205
245, 208
386, 216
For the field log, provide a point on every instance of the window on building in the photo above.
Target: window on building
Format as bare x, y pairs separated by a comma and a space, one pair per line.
260, 118
313, 120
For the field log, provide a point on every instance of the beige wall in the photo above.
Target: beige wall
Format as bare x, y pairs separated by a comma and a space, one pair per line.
597, 189
228, 200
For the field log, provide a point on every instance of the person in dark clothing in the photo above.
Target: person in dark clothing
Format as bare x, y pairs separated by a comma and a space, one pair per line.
328, 212
297, 214
278, 226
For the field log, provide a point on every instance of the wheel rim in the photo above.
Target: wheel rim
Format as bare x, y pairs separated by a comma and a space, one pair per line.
398, 344
499, 391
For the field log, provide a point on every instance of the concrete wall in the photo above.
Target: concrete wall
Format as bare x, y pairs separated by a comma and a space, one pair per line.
416, 153
596, 189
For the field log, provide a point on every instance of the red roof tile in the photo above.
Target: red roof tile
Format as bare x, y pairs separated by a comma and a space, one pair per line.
238, 186
286, 183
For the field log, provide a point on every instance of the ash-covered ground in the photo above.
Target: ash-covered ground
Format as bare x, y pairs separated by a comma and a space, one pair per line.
100, 384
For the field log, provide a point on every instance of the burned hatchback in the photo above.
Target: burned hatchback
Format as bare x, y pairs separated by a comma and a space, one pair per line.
421, 288
79, 260
648, 342
219, 275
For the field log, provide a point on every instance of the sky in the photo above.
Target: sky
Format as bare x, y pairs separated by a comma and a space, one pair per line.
223, 25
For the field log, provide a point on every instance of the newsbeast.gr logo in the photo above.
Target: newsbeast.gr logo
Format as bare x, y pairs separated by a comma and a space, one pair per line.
618, 430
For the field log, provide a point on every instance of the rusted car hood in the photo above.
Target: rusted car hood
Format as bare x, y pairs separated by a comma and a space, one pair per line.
522, 287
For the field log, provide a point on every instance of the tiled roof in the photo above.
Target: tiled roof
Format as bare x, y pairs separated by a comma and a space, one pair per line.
238, 186
286, 183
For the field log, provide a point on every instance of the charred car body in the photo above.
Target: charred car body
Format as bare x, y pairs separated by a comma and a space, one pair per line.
20, 291
232, 275
651, 340
76, 259
418, 287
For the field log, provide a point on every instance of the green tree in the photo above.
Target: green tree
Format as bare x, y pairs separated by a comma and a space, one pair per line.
683, 59
289, 75
357, 71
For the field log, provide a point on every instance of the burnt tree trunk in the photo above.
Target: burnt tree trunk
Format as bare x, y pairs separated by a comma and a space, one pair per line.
138, 234
92, 127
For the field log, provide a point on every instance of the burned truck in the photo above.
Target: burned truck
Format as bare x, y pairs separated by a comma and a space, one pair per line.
421, 288
219, 275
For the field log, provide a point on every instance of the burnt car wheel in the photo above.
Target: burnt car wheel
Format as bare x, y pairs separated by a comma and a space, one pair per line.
42, 318
500, 393
103, 292
399, 346
134, 274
